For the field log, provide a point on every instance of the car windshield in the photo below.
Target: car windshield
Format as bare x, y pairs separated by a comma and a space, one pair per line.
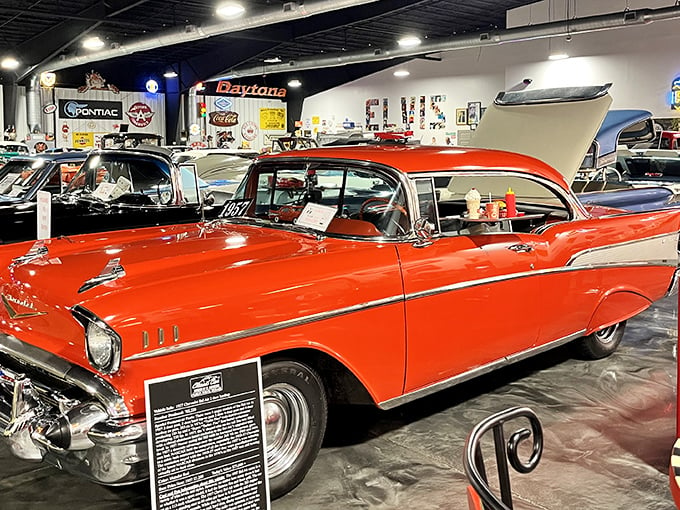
222, 169
14, 147
17, 176
116, 177
357, 201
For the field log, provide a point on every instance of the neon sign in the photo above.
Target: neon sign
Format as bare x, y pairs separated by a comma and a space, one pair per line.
675, 94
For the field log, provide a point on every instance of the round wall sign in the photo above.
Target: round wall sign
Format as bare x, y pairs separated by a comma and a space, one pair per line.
249, 130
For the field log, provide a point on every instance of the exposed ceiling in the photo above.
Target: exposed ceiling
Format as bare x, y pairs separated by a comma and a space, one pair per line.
37, 32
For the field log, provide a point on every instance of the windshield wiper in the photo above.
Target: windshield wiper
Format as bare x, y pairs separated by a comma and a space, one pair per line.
319, 235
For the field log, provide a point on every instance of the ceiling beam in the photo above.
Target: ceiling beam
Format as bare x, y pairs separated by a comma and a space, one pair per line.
193, 33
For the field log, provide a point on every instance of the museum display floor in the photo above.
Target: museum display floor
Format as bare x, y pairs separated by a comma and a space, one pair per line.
609, 426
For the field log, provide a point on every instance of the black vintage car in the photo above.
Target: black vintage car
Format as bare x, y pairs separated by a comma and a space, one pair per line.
115, 190
23, 176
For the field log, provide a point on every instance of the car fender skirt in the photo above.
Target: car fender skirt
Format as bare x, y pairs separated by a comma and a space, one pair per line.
616, 307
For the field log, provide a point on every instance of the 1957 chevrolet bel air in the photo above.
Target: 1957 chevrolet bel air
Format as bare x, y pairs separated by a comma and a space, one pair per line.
400, 295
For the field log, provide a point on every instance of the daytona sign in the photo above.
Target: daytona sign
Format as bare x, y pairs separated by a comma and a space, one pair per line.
226, 87
98, 110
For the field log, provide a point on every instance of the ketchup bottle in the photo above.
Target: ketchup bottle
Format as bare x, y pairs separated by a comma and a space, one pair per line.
510, 203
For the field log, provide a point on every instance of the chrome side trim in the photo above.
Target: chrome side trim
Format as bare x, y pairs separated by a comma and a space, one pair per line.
72, 374
476, 372
527, 274
268, 328
300, 321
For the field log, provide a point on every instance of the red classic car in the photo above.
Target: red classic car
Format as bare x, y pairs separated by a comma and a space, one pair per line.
355, 274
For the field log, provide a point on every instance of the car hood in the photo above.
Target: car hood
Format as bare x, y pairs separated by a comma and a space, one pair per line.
203, 265
557, 126
173, 251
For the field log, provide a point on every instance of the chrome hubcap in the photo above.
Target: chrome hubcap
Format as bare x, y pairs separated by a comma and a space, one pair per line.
606, 335
287, 422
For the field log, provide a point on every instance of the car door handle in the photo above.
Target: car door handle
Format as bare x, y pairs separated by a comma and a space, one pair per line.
520, 248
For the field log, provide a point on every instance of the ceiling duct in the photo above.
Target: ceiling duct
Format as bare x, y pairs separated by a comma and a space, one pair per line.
553, 29
189, 33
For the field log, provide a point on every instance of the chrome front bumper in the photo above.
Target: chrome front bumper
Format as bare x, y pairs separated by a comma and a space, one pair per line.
54, 411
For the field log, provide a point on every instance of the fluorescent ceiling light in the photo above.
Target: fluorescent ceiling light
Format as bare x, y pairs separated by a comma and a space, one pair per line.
272, 60
9, 63
558, 56
401, 73
230, 10
294, 83
170, 74
409, 41
93, 43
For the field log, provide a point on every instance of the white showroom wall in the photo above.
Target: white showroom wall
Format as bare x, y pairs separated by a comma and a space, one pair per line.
640, 61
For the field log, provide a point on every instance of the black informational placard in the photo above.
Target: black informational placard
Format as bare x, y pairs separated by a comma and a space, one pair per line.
206, 439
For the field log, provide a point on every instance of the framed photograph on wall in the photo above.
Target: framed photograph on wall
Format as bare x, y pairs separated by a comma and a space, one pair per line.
474, 109
461, 116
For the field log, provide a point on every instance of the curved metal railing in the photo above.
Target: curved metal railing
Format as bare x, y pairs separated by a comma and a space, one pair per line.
506, 451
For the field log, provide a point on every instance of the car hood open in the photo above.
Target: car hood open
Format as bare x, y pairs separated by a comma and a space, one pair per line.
556, 125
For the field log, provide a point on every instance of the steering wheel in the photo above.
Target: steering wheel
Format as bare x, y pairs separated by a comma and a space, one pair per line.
384, 205
387, 205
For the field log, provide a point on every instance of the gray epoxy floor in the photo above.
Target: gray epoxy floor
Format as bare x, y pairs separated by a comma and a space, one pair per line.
609, 426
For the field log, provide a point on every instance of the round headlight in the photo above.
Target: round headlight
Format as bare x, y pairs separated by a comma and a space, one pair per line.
99, 345
102, 344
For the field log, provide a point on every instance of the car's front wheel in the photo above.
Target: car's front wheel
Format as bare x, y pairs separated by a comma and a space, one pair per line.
602, 343
295, 413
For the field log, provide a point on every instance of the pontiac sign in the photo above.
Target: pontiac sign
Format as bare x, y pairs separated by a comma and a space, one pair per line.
234, 89
98, 110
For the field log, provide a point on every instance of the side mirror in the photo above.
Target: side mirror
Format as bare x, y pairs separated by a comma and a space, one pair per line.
423, 230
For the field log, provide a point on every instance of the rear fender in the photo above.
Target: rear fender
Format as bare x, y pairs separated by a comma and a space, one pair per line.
616, 306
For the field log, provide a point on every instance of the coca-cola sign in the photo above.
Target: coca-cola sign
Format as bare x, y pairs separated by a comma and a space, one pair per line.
223, 119
140, 114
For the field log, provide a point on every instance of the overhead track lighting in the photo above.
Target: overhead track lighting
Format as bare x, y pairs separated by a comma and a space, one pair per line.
9, 63
230, 10
409, 41
93, 43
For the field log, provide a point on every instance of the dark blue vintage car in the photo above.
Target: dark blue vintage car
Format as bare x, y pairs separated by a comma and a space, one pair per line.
624, 179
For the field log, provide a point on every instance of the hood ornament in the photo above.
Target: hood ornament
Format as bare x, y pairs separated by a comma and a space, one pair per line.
37, 251
11, 304
112, 271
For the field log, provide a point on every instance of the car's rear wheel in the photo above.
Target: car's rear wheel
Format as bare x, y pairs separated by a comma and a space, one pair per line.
602, 343
295, 412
